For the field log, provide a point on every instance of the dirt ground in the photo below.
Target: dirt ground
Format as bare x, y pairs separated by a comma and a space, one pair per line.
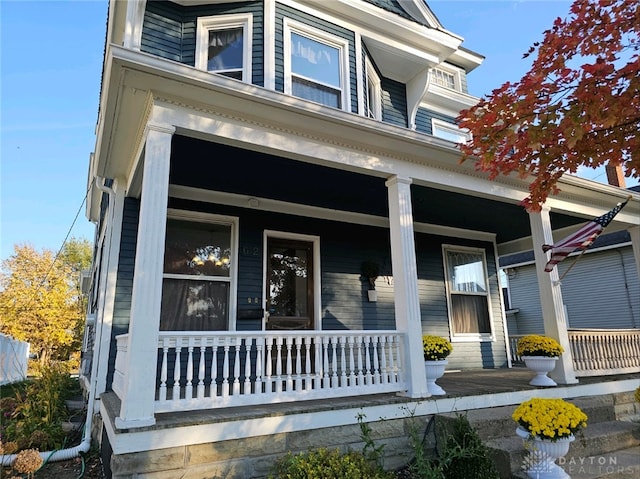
87, 467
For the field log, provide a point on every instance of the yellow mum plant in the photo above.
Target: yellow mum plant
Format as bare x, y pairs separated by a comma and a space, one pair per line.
550, 418
537, 345
637, 394
435, 348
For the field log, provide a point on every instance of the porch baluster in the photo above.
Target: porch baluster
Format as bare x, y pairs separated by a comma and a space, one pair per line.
359, 352
248, 343
188, 392
236, 367
225, 369
334, 362
367, 352
376, 363
352, 362
383, 356
342, 342
268, 386
163, 370
279, 364
289, 364
175, 393
298, 370
213, 388
202, 349
326, 381
307, 367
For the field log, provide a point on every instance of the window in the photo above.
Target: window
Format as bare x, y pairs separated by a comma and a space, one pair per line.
468, 293
444, 78
223, 45
373, 97
315, 67
449, 131
198, 270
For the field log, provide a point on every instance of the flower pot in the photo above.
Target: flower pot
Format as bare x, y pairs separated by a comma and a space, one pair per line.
434, 371
541, 365
540, 462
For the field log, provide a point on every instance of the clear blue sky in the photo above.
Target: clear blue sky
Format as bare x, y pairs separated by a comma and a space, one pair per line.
51, 63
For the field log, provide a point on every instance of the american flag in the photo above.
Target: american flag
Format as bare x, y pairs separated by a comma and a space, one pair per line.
581, 239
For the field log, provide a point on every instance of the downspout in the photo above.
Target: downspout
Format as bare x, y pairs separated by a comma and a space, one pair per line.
626, 288
85, 444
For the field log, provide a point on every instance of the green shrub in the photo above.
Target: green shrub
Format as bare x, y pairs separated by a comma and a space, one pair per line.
33, 416
465, 455
324, 464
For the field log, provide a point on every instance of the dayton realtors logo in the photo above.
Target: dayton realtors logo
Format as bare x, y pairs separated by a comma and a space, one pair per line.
594, 465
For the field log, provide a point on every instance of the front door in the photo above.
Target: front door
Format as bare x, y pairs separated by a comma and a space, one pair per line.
289, 285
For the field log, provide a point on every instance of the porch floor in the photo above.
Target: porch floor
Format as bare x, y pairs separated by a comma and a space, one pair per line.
457, 384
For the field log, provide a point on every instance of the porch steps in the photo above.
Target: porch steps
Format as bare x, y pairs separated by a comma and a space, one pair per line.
608, 448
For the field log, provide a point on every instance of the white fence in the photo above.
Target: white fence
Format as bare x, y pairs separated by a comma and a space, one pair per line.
199, 371
599, 352
14, 356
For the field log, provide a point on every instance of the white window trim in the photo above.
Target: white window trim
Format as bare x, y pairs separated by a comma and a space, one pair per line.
291, 26
232, 279
317, 305
450, 127
467, 337
221, 22
372, 77
457, 81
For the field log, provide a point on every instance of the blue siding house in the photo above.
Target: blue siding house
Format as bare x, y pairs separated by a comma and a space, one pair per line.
250, 158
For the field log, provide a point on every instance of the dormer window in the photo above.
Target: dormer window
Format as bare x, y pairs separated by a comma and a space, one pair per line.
223, 45
315, 67
373, 96
446, 77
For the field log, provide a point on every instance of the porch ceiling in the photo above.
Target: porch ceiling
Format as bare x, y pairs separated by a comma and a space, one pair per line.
209, 166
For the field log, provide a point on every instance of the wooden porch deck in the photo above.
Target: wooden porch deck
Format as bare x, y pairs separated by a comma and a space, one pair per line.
462, 386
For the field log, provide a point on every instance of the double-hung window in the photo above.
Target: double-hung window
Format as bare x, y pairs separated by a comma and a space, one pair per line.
468, 293
223, 45
315, 65
199, 265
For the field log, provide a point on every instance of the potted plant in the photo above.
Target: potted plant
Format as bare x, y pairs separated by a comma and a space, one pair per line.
548, 426
370, 271
540, 354
435, 350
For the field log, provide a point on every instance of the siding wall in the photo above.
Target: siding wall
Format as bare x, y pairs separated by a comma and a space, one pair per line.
602, 290
124, 281
424, 117
169, 31
394, 103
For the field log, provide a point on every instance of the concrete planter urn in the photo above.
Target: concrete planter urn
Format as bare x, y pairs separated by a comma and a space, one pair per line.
540, 462
435, 370
541, 365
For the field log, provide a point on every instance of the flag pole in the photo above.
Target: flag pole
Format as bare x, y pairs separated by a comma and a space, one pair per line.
572, 264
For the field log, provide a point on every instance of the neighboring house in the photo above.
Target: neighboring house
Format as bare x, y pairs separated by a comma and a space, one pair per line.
250, 158
601, 290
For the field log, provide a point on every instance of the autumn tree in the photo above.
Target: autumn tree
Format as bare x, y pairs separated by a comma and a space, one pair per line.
579, 104
40, 299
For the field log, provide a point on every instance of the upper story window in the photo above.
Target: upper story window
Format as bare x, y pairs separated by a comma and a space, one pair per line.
449, 131
315, 65
373, 95
468, 293
223, 45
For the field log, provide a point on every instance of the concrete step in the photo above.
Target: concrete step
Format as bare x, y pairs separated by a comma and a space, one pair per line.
621, 464
597, 440
496, 422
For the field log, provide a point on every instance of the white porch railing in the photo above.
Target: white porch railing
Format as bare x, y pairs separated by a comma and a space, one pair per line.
201, 371
599, 352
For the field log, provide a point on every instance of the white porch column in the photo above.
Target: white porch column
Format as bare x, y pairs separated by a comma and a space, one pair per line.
634, 232
405, 279
553, 315
137, 408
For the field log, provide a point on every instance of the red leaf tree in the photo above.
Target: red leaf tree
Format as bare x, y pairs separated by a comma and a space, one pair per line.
579, 104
